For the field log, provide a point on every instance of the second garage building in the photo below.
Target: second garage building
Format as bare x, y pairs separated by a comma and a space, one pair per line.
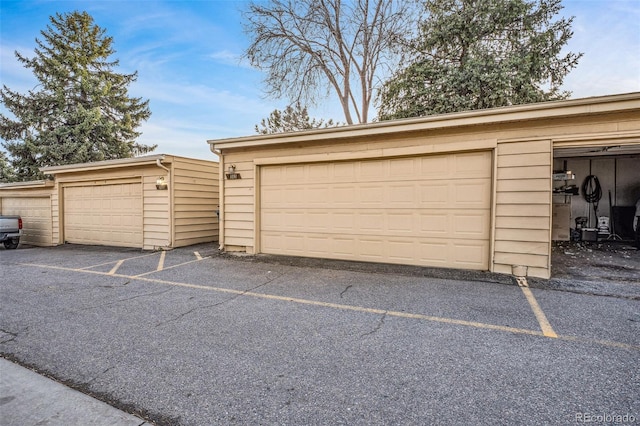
150, 202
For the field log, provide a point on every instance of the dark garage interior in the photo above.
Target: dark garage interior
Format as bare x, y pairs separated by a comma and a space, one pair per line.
601, 244
596, 193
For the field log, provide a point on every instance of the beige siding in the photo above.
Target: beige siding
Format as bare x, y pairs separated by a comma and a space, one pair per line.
155, 217
521, 206
195, 201
239, 206
523, 214
56, 237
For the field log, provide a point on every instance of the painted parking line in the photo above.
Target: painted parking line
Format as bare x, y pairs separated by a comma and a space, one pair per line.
545, 326
168, 267
116, 266
115, 261
354, 308
159, 268
161, 261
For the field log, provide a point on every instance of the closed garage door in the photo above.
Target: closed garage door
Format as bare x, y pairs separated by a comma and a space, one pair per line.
104, 214
428, 210
36, 218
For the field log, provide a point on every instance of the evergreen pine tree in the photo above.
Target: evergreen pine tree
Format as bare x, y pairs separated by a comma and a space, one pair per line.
80, 111
293, 119
475, 54
6, 171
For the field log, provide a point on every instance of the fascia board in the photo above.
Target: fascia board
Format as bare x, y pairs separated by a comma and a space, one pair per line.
108, 164
528, 112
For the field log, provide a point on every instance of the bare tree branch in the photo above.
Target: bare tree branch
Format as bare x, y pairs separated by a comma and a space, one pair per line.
310, 46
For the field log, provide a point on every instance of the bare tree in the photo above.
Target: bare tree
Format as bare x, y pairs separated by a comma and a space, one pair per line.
307, 46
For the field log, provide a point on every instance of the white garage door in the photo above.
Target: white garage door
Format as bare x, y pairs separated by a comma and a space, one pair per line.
36, 218
104, 214
428, 210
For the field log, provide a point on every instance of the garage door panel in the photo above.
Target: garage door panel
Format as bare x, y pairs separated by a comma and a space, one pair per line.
401, 250
371, 221
36, 218
403, 167
472, 255
372, 170
343, 221
316, 193
435, 224
343, 172
371, 196
434, 194
402, 194
344, 246
421, 223
470, 225
472, 194
432, 210
438, 252
344, 195
295, 220
318, 221
372, 249
400, 223
104, 214
434, 167
471, 165
434, 253
319, 245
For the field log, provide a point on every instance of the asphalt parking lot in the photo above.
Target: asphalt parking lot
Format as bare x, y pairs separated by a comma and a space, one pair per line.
191, 337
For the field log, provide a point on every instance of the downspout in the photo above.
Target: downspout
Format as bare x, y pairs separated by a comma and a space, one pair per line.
221, 200
170, 182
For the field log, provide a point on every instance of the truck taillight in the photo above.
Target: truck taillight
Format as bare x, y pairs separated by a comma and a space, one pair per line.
20, 223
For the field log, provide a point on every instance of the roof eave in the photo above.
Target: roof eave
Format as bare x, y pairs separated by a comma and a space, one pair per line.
28, 184
554, 109
107, 164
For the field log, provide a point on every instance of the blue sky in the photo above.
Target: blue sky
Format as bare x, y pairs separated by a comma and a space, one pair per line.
187, 54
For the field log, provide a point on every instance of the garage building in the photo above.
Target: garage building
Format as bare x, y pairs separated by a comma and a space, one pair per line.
150, 202
470, 190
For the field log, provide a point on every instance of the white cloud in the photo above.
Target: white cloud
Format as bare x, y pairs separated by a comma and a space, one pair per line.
225, 57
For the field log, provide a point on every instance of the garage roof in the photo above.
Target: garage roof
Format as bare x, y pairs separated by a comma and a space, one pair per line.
107, 164
541, 110
28, 184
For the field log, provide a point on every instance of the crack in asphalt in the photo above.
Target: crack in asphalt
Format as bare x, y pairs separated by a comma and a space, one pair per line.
101, 374
12, 334
156, 293
345, 290
235, 296
378, 326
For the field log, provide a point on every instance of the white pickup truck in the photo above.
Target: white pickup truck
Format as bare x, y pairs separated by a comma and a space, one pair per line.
10, 231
